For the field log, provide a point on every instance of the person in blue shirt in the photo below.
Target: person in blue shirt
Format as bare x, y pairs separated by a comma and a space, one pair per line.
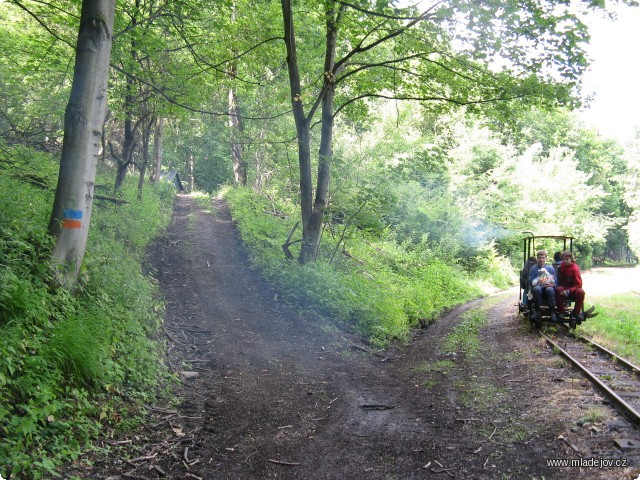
543, 281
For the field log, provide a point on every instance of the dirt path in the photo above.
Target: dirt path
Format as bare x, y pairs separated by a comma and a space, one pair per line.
281, 396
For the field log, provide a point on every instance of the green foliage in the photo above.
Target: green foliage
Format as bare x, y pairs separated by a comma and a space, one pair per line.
67, 363
602, 162
76, 349
374, 285
212, 165
632, 194
541, 191
36, 71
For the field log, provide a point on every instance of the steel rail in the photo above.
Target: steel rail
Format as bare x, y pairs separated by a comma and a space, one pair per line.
617, 358
620, 403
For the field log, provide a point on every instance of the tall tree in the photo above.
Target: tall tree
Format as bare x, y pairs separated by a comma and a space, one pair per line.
484, 56
84, 119
158, 138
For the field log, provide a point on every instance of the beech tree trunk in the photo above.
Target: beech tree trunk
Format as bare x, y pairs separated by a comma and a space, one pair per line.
146, 136
157, 151
83, 123
129, 142
237, 150
189, 170
236, 125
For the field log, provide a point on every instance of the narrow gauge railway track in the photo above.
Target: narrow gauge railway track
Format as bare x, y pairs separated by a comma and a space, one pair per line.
616, 377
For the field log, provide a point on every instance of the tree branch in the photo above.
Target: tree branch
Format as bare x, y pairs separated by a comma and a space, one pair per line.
189, 108
37, 19
389, 36
427, 99
383, 15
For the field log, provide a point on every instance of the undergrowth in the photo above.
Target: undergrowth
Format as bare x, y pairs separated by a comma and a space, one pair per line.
72, 367
368, 282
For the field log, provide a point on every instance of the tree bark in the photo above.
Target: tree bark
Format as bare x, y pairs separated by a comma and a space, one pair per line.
83, 123
157, 151
146, 136
189, 170
129, 142
237, 150
302, 129
236, 125
313, 210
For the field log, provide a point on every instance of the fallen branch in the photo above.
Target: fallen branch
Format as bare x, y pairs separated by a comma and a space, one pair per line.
358, 347
445, 470
115, 443
159, 470
159, 409
171, 337
116, 200
143, 459
571, 445
378, 407
194, 331
279, 462
251, 455
495, 428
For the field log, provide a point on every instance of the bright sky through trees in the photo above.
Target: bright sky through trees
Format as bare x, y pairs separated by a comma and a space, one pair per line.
614, 74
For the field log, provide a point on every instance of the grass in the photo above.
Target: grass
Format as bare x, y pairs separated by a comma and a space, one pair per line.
593, 415
442, 366
464, 338
617, 325
482, 396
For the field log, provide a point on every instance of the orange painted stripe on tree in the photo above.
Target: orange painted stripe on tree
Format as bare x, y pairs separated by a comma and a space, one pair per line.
72, 218
69, 223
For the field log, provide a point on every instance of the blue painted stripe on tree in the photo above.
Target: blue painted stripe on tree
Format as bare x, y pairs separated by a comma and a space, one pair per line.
72, 214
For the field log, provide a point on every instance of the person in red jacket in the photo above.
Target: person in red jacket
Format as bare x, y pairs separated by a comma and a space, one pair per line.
569, 287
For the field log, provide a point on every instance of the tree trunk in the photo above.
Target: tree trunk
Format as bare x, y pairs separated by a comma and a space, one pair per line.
157, 151
189, 170
83, 123
128, 144
237, 150
302, 129
313, 212
236, 126
260, 175
146, 135
325, 153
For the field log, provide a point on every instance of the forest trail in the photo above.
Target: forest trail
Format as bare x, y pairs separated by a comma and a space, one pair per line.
269, 393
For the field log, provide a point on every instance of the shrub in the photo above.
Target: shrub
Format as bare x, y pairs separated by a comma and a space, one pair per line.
380, 288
